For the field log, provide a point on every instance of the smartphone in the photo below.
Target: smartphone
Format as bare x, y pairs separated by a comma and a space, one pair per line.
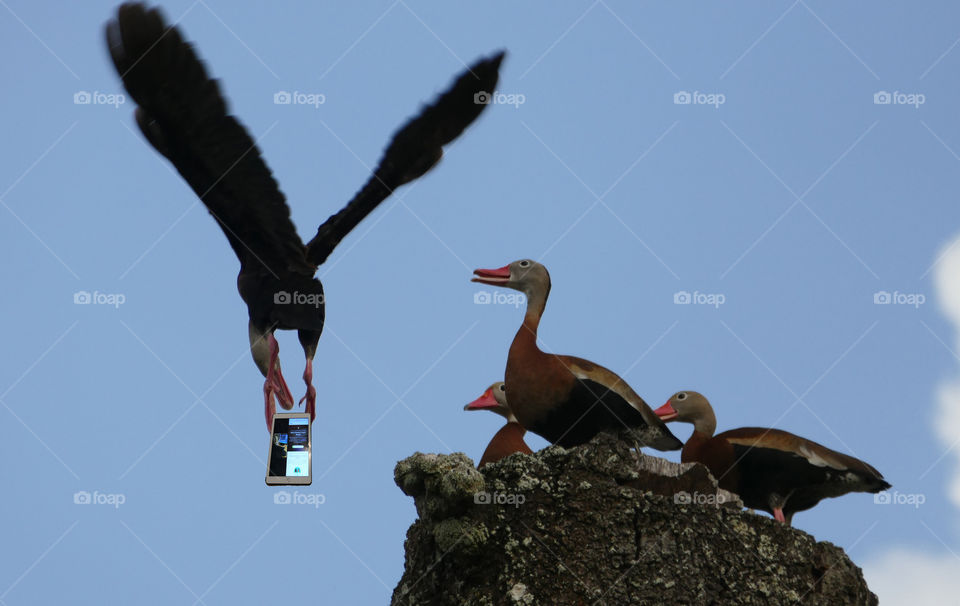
289, 460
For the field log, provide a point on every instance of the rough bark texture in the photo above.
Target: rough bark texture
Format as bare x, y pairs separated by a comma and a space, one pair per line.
595, 525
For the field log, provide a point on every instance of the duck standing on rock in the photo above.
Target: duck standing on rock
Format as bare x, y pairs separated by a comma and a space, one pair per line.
770, 469
566, 400
509, 439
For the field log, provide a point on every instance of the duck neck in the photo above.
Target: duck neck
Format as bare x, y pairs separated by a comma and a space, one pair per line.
705, 424
515, 425
536, 303
691, 450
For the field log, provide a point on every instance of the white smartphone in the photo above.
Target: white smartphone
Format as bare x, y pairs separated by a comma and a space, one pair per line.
289, 460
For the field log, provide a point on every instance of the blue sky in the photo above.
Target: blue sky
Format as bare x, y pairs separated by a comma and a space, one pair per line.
782, 188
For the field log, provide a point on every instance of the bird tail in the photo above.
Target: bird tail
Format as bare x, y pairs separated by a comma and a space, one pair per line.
413, 151
666, 442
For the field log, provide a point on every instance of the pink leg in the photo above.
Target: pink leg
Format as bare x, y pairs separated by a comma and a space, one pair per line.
311, 395
778, 514
268, 408
284, 396
274, 385
275, 376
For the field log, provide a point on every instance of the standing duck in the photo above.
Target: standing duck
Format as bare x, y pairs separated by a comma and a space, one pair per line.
566, 400
510, 437
183, 115
770, 469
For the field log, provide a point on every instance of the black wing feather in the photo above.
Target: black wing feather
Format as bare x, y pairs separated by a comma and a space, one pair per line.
184, 116
413, 151
591, 408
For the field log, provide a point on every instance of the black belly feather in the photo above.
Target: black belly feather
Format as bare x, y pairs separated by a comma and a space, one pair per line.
590, 409
767, 471
287, 302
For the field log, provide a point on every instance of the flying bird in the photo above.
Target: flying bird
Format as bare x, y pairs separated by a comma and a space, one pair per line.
566, 400
509, 439
182, 113
770, 469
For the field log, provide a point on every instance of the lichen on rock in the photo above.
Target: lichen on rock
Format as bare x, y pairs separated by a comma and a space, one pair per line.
598, 524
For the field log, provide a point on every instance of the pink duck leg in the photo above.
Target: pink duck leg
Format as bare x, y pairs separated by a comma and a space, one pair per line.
274, 385
311, 395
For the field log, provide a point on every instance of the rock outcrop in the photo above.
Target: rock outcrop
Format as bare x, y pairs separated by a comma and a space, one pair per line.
598, 525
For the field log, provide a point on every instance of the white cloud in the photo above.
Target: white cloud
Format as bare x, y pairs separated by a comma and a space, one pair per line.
905, 576
947, 428
946, 281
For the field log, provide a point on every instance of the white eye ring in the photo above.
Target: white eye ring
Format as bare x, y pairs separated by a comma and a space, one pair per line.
503, 388
681, 396
524, 263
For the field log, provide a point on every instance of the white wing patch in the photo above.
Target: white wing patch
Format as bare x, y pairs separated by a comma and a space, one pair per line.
815, 459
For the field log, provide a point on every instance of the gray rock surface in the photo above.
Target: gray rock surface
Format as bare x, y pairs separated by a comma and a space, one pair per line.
598, 525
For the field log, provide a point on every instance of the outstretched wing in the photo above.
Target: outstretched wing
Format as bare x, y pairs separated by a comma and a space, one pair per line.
414, 150
184, 116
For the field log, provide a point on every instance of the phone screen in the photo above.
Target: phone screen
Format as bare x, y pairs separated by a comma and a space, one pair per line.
289, 449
